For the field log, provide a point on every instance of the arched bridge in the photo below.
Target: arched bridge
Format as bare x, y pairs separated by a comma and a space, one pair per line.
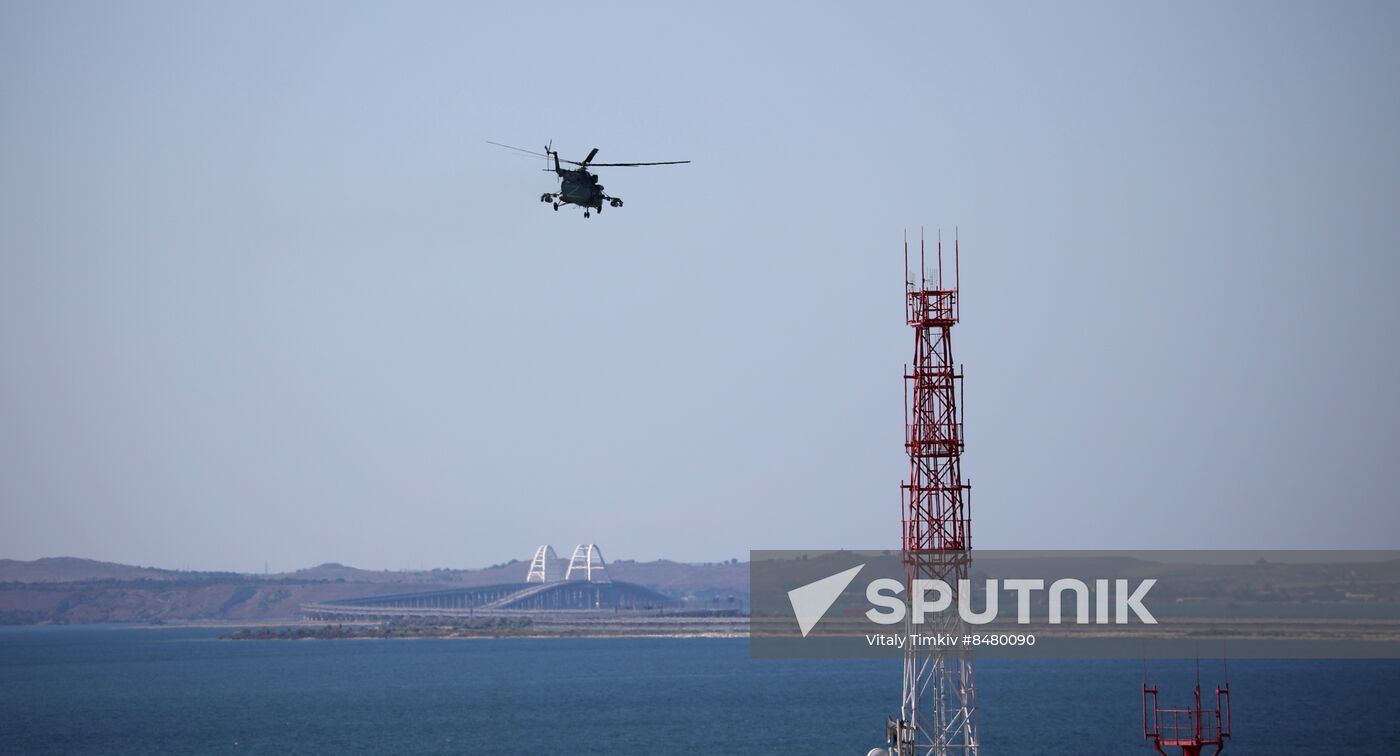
584, 585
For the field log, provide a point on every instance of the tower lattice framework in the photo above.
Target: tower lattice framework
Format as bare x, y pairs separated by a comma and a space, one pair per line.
938, 711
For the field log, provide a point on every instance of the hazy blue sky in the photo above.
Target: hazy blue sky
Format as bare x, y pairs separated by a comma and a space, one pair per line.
266, 294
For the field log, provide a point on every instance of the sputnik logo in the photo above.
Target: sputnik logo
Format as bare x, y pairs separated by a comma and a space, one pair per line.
811, 601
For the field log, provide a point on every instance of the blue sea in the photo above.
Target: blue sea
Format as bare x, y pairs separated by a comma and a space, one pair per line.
117, 690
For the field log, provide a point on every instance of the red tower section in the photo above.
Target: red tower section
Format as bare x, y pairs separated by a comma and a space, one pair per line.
1188, 729
938, 711
935, 511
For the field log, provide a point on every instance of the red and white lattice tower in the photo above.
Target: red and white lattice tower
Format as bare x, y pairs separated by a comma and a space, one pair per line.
938, 713
1191, 729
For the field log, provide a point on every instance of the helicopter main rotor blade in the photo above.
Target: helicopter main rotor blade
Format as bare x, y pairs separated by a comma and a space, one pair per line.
517, 149
633, 165
587, 162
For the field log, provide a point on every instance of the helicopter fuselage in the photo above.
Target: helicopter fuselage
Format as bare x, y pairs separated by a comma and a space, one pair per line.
580, 188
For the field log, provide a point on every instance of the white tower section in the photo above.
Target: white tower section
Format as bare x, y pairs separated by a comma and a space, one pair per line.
587, 564
540, 566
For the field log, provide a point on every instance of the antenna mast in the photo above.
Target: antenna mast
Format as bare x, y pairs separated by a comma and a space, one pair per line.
938, 710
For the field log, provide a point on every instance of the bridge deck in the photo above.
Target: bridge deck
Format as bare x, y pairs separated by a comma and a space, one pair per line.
574, 595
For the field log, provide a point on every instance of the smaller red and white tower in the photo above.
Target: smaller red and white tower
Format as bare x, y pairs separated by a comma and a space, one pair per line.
1188, 729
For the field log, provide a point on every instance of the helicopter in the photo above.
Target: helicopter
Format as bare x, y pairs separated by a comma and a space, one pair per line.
576, 185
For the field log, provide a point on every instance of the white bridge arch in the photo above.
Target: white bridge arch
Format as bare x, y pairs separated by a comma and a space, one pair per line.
587, 564
543, 567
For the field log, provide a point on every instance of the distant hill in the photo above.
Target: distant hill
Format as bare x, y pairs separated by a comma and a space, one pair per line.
664, 575
71, 590
72, 569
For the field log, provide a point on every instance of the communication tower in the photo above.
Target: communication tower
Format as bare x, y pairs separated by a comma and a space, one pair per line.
1188, 729
938, 711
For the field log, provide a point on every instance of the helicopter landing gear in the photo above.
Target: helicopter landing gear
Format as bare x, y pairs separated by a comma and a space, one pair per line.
545, 198
615, 202
556, 207
585, 213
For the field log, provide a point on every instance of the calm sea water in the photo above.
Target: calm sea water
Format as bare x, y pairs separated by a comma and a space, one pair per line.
105, 690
